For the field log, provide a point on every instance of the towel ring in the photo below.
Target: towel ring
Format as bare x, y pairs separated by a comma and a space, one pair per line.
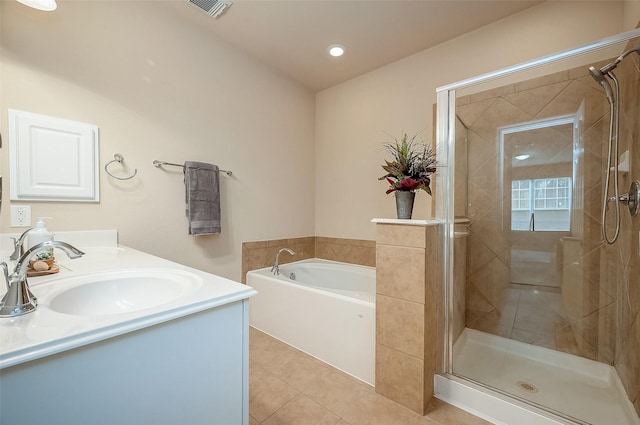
119, 159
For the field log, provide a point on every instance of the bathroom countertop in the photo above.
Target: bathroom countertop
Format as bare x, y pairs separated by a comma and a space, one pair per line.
45, 332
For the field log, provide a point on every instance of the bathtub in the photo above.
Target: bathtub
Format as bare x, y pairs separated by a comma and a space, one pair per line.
326, 309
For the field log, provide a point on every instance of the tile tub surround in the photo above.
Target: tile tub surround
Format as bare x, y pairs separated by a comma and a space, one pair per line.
354, 251
260, 254
408, 311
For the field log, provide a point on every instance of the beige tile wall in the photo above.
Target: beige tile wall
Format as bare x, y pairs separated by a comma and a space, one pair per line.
617, 323
459, 278
259, 254
407, 310
353, 251
488, 304
256, 255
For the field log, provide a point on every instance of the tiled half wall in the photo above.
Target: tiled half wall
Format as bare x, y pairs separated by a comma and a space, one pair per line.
259, 254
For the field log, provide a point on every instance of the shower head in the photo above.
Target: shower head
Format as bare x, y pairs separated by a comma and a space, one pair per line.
599, 76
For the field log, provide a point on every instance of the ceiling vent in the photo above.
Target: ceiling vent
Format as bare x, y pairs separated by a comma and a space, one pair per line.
214, 8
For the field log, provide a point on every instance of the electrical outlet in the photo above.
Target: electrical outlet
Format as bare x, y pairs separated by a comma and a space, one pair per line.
20, 215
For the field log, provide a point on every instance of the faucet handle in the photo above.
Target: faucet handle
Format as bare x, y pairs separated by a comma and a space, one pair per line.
17, 249
5, 270
18, 245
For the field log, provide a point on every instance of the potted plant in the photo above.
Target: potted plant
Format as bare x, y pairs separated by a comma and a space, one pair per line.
411, 169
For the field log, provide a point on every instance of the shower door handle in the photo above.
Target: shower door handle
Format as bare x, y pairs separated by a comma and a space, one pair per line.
532, 222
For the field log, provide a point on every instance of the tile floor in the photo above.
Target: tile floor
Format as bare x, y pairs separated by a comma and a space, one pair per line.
288, 387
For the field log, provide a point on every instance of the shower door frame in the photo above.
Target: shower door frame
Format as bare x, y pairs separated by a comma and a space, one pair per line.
451, 385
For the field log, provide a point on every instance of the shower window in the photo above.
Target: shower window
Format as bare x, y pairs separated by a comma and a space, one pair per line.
521, 195
541, 204
552, 194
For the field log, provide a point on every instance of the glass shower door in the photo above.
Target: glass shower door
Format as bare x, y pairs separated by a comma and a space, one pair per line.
546, 303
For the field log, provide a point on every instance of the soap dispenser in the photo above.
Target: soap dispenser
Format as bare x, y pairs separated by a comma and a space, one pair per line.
39, 234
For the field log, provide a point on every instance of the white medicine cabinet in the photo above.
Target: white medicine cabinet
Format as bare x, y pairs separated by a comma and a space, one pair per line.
52, 159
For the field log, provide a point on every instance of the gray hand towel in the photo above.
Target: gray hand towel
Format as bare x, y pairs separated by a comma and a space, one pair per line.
203, 197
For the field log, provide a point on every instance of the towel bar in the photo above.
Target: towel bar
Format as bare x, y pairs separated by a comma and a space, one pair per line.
157, 164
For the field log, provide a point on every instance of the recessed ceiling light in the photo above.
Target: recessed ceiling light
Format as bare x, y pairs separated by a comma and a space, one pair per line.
46, 5
522, 157
336, 50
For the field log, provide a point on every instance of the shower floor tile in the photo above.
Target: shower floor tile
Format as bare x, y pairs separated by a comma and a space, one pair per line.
289, 387
580, 388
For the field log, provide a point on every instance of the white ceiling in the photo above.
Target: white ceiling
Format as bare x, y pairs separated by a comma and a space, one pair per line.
293, 35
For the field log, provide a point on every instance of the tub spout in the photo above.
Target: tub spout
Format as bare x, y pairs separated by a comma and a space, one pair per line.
19, 300
276, 268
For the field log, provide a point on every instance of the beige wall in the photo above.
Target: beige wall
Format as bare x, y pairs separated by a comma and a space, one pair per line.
352, 118
630, 14
160, 87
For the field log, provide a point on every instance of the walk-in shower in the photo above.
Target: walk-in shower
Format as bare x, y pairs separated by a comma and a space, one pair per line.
613, 165
543, 328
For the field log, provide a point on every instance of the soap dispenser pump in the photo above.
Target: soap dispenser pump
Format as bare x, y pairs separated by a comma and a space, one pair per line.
39, 234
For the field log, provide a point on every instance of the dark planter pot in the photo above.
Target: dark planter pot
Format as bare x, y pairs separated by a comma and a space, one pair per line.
404, 203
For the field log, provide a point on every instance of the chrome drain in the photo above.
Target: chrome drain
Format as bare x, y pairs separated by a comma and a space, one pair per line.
530, 388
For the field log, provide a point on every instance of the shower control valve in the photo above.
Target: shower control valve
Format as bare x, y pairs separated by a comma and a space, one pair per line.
632, 198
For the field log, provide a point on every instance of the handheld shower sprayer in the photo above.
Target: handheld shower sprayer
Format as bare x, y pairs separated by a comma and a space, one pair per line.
600, 75
600, 78
606, 71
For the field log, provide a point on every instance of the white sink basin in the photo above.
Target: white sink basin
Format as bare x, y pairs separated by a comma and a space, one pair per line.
121, 291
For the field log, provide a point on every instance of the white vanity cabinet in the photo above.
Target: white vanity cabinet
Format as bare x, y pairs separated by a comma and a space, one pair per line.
180, 361
191, 370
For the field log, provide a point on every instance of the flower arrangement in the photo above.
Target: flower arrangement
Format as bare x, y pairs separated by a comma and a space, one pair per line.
412, 166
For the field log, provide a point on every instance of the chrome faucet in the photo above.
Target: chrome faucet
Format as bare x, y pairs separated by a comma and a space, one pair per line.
18, 245
19, 300
276, 268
